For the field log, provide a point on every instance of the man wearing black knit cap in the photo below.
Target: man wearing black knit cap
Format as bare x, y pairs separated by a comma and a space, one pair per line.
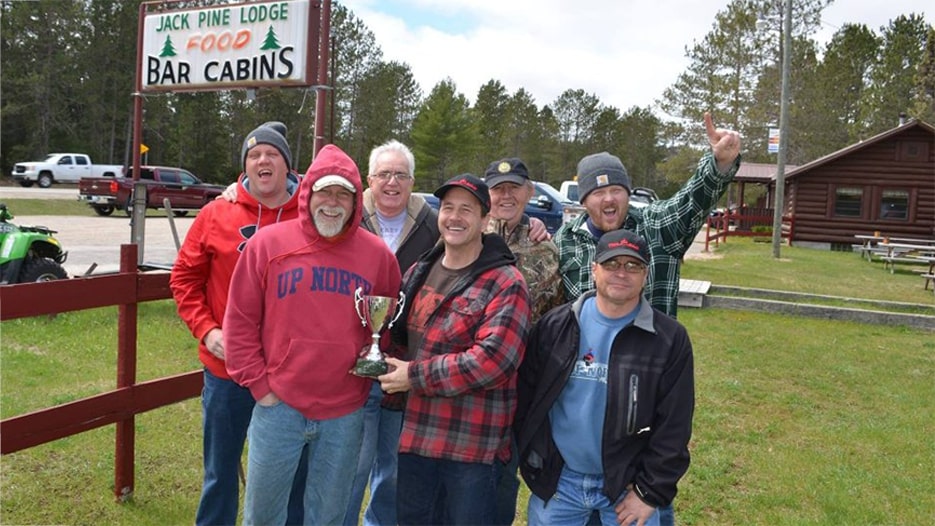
200, 279
668, 225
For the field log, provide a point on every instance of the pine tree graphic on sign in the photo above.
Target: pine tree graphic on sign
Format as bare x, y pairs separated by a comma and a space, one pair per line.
167, 49
270, 42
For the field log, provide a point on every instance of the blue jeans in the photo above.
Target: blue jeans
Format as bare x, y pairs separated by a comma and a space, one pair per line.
225, 416
277, 436
378, 462
507, 489
577, 495
461, 492
666, 517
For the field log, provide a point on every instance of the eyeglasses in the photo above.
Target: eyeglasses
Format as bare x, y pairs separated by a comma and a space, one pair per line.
386, 176
630, 267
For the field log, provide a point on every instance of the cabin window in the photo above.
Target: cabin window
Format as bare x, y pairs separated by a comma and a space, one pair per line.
847, 201
894, 204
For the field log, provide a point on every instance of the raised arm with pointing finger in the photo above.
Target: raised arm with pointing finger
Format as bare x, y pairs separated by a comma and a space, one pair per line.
668, 225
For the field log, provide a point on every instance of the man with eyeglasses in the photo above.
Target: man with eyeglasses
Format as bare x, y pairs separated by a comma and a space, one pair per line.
605, 399
669, 226
409, 227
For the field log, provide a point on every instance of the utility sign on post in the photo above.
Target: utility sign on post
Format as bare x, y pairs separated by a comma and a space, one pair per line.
773, 145
228, 46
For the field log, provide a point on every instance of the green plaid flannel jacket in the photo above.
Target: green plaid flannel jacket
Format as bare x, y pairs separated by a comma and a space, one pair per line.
669, 227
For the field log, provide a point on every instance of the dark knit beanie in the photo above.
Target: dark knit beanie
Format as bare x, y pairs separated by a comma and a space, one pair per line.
598, 170
272, 133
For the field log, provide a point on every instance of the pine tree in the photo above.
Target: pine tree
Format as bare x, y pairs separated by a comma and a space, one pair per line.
270, 42
923, 107
168, 50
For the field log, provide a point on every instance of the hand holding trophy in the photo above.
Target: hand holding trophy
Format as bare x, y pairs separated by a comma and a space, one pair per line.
374, 312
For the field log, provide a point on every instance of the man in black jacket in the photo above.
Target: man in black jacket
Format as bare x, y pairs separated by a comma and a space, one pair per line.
631, 367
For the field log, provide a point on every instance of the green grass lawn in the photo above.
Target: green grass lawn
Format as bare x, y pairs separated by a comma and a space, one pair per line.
798, 420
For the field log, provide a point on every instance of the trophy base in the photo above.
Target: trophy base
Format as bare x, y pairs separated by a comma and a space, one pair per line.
369, 368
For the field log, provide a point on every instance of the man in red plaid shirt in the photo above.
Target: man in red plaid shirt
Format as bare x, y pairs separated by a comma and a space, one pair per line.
467, 317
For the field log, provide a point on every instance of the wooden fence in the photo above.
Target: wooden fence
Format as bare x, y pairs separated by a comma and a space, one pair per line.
744, 223
125, 289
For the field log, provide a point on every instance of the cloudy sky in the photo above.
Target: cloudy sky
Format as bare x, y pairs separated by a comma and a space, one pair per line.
623, 51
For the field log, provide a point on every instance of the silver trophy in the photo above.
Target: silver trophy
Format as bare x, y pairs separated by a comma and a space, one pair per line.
374, 312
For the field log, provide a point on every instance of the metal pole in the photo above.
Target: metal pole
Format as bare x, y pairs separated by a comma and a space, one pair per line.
779, 198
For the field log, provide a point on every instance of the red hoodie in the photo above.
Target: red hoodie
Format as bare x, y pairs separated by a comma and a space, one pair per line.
202, 271
291, 327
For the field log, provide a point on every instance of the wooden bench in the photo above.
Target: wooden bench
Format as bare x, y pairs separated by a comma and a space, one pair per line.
929, 278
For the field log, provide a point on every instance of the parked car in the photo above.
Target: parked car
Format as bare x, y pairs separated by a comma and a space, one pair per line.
184, 191
639, 198
569, 189
62, 168
547, 204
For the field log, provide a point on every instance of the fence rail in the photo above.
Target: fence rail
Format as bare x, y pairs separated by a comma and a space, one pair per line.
126, 290
743, 224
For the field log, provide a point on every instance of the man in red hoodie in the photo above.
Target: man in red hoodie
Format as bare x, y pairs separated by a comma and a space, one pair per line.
292, 335
200, 279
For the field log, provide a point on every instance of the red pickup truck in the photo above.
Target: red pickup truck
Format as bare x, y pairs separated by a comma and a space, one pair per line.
184, 191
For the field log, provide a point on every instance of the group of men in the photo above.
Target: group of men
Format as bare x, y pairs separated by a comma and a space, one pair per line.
560, 359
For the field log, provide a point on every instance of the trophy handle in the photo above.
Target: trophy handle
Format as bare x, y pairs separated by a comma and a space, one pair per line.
399, 309
358, 301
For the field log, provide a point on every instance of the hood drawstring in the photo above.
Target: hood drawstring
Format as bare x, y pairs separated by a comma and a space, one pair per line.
259, 215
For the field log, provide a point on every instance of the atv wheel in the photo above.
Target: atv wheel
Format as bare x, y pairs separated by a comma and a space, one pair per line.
25, 184
180, 213
104, 210
41, 269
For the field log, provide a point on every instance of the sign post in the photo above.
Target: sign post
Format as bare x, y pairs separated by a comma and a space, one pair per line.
245, 45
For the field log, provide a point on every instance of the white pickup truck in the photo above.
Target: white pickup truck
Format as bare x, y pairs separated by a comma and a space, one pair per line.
62, 168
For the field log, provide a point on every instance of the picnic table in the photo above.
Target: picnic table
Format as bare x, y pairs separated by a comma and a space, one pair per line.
867, 244
897, 252
929, 275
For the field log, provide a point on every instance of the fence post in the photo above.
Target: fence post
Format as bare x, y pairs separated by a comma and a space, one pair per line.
125, 441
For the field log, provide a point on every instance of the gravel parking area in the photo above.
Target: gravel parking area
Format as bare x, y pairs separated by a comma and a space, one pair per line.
96, 239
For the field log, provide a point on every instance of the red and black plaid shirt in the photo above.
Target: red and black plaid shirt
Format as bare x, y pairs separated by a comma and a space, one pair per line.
463, 374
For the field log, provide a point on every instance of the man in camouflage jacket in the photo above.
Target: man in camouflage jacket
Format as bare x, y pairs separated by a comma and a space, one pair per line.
510, 190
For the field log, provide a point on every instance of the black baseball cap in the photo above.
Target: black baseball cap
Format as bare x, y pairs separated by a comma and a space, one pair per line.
471, 183
622, 243
509, 170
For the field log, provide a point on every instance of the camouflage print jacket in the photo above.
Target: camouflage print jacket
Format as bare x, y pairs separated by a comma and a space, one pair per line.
538, 262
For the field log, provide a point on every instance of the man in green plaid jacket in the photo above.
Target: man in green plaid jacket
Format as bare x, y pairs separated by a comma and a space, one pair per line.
669, 225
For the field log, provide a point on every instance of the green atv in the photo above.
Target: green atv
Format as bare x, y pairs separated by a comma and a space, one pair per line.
28, 253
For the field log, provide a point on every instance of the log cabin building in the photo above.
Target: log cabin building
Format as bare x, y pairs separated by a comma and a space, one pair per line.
885, 183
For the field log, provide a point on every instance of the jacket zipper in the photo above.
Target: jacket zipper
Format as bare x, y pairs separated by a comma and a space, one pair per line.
631, 411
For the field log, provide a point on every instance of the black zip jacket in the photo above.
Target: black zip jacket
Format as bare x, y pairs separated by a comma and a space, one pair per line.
651, 399
420, 232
